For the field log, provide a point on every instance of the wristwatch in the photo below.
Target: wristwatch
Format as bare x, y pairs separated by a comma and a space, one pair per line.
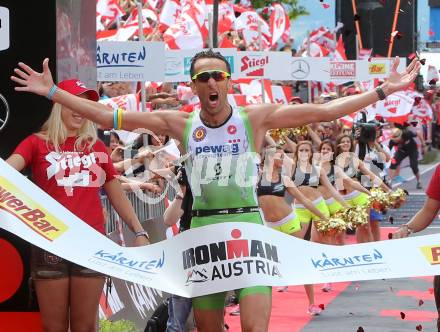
380, 93
142, 233
409, 231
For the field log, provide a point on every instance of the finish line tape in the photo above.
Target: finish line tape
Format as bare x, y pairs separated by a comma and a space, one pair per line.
208, 259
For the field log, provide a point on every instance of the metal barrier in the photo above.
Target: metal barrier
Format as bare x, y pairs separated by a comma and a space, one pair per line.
143, 210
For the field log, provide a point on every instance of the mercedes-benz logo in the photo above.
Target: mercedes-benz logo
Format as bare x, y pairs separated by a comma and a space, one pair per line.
4, 112
300, 69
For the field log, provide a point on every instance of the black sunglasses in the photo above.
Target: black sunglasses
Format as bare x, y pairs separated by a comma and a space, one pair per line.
217, 75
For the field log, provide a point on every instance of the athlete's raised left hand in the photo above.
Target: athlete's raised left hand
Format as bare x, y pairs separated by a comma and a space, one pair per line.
400, 81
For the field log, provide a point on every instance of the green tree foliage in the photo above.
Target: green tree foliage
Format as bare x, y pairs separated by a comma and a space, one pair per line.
293, 8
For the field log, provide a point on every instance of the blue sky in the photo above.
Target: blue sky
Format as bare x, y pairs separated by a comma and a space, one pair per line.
326, 17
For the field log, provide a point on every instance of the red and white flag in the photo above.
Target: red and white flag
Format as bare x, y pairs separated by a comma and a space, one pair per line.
339, 54
226, 17
253, 91
99, 25
432, 75
128, 102
370, 112
421, 109
281, 94
395, 108
252, 40
131, 25
153, 3
278, 22
323, 37
185, 34
249, 21
196, 11
147, 13
186, 94
171, 11
348, 120
236, 100
108, 9
226, 43
122, 34
317, 50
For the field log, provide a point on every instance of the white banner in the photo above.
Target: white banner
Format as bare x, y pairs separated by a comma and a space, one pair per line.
149, 61
309, 69
130, 61
208, 259
324, 70
178, 63
271, 65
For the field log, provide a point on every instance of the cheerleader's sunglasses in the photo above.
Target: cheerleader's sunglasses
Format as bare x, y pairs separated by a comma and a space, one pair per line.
217, 75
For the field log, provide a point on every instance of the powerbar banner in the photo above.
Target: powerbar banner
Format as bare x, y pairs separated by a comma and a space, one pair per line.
209, 259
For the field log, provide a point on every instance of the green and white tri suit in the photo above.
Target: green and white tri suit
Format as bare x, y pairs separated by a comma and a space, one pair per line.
222, 169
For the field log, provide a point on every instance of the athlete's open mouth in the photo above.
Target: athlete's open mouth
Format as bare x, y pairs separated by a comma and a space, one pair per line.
213, 97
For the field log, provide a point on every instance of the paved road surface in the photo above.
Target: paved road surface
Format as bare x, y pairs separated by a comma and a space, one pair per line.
376, 305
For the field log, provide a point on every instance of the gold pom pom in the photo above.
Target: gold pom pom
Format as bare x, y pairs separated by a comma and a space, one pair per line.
379, 200
355, 216
344, 219
300, 131
279, 135
397, 198
331, 226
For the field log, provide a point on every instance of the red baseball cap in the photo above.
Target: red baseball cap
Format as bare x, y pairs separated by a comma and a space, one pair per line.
76, 87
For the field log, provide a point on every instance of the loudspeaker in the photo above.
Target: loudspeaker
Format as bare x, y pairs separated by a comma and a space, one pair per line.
376, 22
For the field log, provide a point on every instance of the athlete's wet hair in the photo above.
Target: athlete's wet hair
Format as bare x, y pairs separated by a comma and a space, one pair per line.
208, 54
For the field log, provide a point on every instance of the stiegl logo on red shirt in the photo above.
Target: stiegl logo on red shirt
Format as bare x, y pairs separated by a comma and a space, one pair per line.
72, 169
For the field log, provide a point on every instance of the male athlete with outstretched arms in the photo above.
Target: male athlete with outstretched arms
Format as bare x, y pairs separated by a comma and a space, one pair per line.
214, 138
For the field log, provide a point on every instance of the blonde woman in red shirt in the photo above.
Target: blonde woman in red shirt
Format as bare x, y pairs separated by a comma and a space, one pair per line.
69, 163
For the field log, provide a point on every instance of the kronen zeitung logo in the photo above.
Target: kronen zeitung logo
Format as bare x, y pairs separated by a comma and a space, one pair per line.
229, 259
20, 205
343, 69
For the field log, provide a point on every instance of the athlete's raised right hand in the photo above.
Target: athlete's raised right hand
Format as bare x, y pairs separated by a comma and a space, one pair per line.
32, 81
